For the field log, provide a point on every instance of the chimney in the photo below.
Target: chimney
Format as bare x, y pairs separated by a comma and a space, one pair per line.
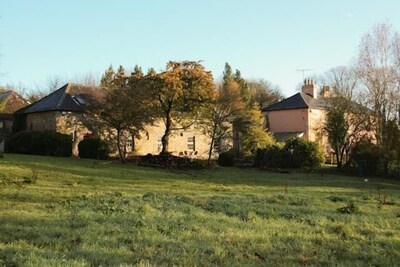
325, 91
310, 88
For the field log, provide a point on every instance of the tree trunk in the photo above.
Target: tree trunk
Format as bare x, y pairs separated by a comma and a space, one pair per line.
211, 146
121, 154
210, 151
165, 137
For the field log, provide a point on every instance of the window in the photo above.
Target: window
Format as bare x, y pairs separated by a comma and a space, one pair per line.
159, 144
191, 143
216, 147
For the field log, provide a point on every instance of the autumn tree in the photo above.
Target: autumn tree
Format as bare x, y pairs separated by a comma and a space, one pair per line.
181, 91
127, 105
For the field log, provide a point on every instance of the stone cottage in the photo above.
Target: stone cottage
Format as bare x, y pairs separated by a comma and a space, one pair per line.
9, 103
64, 111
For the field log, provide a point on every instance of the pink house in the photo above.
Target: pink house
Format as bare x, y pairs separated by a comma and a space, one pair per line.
301, 115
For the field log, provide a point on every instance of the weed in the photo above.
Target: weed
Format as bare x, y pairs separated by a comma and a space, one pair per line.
350, 208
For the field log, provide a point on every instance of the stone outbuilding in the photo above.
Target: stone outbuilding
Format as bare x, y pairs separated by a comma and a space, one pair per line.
10, 102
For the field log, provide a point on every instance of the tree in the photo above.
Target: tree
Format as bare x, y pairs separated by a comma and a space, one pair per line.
378, 69
254, 137
127, 104
182, 90
347, 124
263, 93
343, 81
218, 116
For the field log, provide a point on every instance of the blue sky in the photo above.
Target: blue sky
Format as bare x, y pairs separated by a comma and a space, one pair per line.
263, 39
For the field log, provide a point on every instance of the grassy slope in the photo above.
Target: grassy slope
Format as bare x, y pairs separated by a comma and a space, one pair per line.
82, 213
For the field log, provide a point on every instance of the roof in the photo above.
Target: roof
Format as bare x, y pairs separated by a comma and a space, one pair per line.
298, 101
11, 102
70, 97
283, 136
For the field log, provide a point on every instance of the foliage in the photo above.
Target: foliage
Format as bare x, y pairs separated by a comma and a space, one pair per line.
226, 159
93, 148
347, 124
181, 92
80, 214
254, 137
372, 155
295, 153
220, 111
127, 106
46, 143
304, 153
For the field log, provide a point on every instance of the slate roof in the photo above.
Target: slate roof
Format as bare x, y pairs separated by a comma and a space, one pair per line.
70, 97
12, 100
283, 136
298, 101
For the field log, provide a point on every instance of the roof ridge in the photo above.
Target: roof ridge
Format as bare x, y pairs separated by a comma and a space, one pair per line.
302, 97
66, 91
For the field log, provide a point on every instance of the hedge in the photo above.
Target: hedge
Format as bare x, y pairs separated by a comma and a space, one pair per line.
47, 143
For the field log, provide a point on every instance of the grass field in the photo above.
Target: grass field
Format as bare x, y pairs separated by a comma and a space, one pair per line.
69, 212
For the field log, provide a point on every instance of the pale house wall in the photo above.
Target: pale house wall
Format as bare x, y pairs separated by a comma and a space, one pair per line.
179, 142
291, 120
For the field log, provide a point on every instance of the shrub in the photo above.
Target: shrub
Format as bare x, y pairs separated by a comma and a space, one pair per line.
254, 139
93, 148
226, 159
45, 143
166, 160
303, 153
370, 153
296, 153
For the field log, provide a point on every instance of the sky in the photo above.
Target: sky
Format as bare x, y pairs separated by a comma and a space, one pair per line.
264, 39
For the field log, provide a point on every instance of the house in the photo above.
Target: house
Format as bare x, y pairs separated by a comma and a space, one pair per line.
9, 103
301, 115
65, 111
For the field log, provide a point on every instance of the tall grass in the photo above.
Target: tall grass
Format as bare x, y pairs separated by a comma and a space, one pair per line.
69, 212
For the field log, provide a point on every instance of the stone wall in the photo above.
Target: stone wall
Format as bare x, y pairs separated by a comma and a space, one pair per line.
42, 121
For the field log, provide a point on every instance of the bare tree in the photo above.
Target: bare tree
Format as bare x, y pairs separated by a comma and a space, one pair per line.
343, 82
378, 70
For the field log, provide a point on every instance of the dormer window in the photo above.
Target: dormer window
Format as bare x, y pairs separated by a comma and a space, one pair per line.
79, 100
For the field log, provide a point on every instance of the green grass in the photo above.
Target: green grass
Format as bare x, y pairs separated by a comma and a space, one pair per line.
69, 212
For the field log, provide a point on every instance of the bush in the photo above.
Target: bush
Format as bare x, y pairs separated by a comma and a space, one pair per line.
166, 160
303, 153
296, 153
370, 153
45, 143
93, 148
226, 159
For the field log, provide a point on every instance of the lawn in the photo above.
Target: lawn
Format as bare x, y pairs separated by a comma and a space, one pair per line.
70, 212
